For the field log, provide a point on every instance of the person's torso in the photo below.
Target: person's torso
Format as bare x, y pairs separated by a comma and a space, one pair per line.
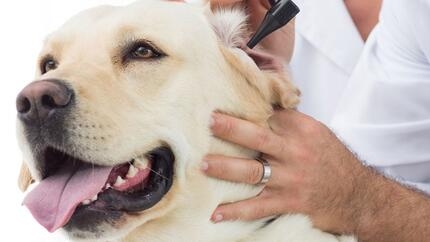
384, 114
327, 48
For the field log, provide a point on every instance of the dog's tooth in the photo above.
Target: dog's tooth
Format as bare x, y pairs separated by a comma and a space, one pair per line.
108, 186
86, 202
132, 171
119, 181
141, 163
94, 198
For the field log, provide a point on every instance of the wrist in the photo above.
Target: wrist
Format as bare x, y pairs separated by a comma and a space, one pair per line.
359, 189
365, 200
339, 209
373, 205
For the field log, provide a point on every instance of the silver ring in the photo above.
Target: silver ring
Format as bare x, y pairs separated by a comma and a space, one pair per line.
267, 171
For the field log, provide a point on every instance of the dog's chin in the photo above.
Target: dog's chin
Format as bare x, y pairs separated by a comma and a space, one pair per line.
131, 188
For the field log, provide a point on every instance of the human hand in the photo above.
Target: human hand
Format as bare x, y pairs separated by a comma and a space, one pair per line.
312, 171
280, 42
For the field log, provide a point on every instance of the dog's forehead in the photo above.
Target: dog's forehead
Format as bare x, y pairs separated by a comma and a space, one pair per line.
163, 22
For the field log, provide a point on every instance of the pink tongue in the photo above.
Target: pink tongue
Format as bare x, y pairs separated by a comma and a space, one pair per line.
55, 199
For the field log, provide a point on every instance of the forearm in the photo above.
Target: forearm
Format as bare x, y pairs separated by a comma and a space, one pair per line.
388, 211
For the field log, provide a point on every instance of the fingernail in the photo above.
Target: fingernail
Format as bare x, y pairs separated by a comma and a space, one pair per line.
212, 121
204, 166
217, 218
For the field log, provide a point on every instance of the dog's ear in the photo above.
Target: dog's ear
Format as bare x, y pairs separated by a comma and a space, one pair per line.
229, 24
25, 179
262, 71
272, 81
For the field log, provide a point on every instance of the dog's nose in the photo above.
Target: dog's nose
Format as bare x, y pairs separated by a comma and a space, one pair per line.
40, 99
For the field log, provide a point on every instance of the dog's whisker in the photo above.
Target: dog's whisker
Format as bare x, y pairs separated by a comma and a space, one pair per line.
165, 178
92, 168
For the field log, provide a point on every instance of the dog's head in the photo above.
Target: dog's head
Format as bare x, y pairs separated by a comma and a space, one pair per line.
116, 123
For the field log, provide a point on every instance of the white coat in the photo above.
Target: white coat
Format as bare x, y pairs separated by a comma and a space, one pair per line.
384, 114
328, 46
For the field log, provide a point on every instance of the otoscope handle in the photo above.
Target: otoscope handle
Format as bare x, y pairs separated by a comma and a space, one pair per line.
281, 12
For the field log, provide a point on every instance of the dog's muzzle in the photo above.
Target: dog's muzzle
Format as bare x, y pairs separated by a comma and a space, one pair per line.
74, 193
80, 195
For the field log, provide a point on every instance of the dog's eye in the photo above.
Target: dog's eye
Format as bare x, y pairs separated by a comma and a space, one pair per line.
48, 64
142, 51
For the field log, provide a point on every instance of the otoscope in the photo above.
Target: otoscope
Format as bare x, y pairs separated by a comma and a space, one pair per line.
281, 12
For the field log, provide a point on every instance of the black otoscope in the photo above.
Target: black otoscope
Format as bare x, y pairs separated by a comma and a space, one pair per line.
281, 12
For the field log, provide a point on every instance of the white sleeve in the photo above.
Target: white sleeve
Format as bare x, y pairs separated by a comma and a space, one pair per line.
384, 114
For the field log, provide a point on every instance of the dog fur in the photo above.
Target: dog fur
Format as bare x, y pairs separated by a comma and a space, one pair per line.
137, 106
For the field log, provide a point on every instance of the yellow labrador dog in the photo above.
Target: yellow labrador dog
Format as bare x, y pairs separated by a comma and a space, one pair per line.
116, 124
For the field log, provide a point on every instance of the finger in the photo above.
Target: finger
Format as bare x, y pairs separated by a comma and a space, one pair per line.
246, 134
233, 169
247, 210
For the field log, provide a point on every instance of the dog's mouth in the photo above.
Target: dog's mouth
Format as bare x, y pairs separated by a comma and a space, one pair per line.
76, 193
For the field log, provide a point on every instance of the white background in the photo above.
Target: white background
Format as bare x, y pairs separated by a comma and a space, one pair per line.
23, 25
